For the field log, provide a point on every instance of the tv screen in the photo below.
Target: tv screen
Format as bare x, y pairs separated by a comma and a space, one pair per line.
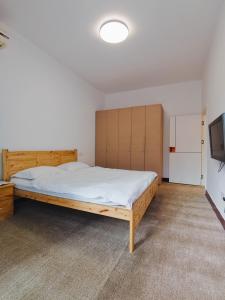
217, 138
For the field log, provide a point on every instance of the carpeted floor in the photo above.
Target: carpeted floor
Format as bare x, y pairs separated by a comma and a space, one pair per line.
48, 252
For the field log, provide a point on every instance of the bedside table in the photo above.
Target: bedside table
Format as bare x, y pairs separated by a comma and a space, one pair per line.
6, 201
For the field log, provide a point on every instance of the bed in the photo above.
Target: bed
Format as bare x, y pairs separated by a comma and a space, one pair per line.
14, 161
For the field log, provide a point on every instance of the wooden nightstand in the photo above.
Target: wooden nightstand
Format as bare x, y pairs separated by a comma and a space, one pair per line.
6, 201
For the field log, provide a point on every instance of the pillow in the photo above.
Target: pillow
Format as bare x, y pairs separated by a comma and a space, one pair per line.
34, 173
73, 166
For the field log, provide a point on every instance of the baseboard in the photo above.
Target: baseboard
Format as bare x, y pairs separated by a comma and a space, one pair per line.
220, 218
165, 179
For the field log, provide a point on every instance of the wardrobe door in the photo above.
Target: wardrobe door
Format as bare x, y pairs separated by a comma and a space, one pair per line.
112, 139
154, 139
138, 138
188, 133
124, 138
100, 138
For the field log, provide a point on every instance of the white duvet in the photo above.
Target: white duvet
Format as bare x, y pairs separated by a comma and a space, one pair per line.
119, 187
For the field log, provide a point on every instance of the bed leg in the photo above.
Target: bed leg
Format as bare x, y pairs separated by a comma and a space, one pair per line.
132, 235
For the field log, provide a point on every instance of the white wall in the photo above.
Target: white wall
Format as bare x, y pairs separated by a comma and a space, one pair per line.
43, 105
214, 104
180, 98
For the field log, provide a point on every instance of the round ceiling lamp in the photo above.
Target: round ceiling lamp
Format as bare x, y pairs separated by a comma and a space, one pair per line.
114, 32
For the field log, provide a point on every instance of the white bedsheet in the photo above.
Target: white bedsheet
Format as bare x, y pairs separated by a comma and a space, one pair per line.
25, 186
25, 183
112, 186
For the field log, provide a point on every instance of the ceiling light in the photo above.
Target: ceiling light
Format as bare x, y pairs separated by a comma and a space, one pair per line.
114, 32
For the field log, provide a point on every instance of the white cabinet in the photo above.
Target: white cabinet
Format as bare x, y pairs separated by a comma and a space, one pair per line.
185, 160
188, 133
185, 168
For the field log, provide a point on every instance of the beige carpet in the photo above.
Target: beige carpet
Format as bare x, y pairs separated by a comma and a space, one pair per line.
48, 252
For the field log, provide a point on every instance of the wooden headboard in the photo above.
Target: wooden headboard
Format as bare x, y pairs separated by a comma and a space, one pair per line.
15, 161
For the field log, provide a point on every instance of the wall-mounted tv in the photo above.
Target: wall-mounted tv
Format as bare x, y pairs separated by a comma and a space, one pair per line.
217, 138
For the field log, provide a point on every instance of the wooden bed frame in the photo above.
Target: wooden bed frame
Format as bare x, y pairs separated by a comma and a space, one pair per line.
14, 161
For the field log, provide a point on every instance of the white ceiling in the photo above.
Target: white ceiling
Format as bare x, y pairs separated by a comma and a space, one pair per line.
168, 40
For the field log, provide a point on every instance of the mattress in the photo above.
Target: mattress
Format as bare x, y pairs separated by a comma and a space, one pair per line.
26, 185
95, 185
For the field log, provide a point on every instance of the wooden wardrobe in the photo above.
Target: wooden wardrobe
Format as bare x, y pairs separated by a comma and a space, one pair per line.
130, 138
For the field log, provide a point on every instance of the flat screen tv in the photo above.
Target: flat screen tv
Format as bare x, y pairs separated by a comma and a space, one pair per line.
217, 138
